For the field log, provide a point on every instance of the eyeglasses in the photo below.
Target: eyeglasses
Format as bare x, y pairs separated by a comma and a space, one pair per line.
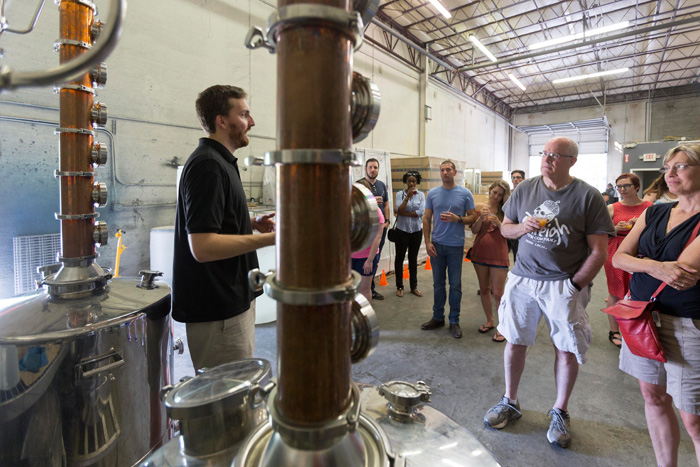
553, 155
626, 186
677, 167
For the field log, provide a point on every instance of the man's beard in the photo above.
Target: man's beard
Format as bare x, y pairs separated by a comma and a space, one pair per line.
241, 140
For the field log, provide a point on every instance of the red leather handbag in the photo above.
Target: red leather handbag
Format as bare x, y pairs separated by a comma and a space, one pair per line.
638, 327
638, 321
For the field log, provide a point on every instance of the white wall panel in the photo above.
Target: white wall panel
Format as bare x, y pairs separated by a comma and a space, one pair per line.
462, 130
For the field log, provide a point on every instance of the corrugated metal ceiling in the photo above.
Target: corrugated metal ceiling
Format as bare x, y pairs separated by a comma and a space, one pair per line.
660, 47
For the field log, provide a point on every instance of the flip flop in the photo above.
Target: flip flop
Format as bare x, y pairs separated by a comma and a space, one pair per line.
498, 337
483, 329
615, 336
417, 293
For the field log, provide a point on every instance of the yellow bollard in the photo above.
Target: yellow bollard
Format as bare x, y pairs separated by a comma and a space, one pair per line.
120, 250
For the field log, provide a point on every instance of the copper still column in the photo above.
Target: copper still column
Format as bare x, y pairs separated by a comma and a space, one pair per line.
78, 155
314, 65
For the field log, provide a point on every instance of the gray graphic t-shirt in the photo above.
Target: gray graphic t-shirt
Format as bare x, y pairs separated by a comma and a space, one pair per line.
557, 251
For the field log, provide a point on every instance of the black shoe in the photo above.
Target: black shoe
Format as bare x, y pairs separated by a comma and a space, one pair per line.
456, 331
432, 324
377, 296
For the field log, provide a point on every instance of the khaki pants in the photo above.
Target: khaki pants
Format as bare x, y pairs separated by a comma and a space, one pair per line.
216, 342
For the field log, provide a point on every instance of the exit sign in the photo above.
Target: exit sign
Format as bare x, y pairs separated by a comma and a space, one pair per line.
649, 157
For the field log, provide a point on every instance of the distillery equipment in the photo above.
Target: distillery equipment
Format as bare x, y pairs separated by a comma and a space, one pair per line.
84, 357
316, 414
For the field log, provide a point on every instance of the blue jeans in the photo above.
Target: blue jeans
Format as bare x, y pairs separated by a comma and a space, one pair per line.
449, 260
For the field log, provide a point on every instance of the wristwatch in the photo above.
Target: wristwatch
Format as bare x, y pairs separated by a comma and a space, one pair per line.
460, 219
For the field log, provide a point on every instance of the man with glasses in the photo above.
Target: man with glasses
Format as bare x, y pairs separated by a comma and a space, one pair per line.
562, 225
516, 177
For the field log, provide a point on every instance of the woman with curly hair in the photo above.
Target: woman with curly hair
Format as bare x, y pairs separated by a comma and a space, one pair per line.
410, 207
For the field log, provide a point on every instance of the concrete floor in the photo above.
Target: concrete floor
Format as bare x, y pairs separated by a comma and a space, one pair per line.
466, 377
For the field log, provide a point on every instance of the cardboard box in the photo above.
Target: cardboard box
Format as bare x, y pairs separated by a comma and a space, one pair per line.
429, 169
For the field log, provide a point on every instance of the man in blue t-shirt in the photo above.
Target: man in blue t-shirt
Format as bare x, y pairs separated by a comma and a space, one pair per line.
382, 196
455, 208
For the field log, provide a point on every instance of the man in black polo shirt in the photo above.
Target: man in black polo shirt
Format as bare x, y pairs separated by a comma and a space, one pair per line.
382, 196
214, 241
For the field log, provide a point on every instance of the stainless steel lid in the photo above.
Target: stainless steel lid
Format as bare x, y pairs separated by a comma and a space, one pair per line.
220, 389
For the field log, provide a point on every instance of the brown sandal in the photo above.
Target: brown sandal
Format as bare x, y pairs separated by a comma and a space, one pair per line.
416, 292
399, 292
498, 337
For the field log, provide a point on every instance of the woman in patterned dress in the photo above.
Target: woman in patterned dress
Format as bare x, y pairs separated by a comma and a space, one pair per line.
624, 214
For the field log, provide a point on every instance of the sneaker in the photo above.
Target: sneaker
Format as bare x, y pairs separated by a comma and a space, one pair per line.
377, 296
558, 432
502, 413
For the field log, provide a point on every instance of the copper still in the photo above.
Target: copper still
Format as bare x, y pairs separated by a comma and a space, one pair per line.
85, 356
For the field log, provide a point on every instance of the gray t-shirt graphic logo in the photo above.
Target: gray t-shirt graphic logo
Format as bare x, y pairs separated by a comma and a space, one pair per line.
558, 250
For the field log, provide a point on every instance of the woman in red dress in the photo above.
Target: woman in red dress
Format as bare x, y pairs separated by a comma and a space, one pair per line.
624, 214
489, 255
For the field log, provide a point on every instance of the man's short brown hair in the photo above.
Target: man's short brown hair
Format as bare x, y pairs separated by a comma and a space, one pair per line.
214, 101
454, 168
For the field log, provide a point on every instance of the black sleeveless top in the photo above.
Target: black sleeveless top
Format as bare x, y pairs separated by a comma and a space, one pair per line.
654, 243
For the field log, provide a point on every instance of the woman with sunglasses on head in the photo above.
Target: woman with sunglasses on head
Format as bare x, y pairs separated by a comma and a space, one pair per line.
410, 207
659, 250
624, 214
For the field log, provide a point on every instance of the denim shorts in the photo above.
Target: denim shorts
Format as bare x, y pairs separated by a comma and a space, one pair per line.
680, 338
358, 265
525, 301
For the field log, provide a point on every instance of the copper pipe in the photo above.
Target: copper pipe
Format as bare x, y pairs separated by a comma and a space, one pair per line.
74, 149
313, 244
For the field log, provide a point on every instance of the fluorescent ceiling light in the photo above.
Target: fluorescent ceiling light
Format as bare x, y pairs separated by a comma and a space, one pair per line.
516, 81
581, 35
591, 75
482, 47
441, 9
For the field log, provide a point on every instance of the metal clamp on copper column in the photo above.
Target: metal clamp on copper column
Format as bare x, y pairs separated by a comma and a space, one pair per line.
365, 328
365, 106
317, 436
364, 218
305, 156
305, 14
303, 297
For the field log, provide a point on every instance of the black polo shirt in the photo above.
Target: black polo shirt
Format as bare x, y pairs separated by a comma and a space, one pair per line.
211, 199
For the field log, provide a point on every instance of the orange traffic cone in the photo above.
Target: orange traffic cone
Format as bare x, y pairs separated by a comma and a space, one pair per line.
427, 264
383, 281
405, 271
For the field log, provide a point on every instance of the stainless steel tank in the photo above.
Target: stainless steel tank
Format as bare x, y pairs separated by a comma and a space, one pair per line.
80, 379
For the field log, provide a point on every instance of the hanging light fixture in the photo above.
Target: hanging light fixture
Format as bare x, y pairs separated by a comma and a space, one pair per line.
590, 75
